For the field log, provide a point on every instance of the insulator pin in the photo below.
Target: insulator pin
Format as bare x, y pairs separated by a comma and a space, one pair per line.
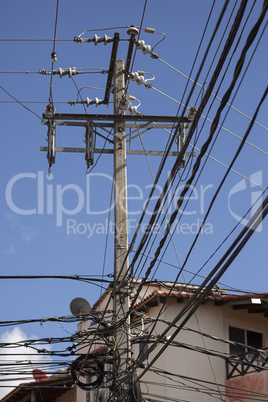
70, 72
144, 48
137, 77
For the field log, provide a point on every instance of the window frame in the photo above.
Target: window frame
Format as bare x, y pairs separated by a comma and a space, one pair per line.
245, 329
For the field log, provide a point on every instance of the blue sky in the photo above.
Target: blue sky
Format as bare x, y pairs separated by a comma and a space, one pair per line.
42, 242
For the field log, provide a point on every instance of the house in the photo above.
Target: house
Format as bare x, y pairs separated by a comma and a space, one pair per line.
219, 354
56, 388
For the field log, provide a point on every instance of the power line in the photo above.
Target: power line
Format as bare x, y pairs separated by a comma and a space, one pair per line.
35, 40
53, 55
232, 170
209, 208
32, 102
197, 116
29, 110
203, 291
200, 382
210, 121
205, 146
227, 95
204, 88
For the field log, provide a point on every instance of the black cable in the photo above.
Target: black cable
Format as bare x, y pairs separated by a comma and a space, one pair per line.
230, 167
213, 128
36, 40
193, 126
20, 103
133, 61
88, 363
53, 53
71, 277
205, 99
223, 57
201, 382
205, 288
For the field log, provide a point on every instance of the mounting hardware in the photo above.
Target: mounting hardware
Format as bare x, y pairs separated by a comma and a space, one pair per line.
149, 30
51, 138
124, 103
180, 142
89, 157
49, 111
54, 57
78, 39
191, 113
132, 30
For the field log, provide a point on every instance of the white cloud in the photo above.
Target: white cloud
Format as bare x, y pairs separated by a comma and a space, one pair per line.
11, 250
22, 356
27, 234
11, 218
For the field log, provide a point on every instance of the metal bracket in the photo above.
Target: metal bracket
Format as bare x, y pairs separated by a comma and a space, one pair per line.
89, 157
118, 118
111, 68
129, 54
51, 138
180, 142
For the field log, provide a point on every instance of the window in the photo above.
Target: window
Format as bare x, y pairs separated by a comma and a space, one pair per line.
143, 350
250, 338
140, 348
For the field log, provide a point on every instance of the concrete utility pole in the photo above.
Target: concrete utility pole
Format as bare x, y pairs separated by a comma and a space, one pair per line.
121, 297
138, 124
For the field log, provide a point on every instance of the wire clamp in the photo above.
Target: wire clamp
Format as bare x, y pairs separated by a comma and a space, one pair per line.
154, 55
121, 246
77, 39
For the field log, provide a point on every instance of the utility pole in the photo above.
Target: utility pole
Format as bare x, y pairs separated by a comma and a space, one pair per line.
121, 295
138, 124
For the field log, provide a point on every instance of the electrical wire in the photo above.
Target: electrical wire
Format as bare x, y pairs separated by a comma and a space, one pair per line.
198, 73
210, 121
215, 121
237, 71
212, 94
33, 102
50, 100
201, 294
232, 170
13, 97
197, 163
201, 382
107, 234
216, 27
211, 366
36, 40
203, 222
135, 51
215, 195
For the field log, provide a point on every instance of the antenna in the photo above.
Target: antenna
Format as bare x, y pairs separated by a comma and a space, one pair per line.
80, 306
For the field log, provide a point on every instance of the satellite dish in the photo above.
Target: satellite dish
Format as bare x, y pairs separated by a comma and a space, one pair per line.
80, 306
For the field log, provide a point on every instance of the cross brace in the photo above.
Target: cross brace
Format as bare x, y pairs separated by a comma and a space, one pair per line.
111, 151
